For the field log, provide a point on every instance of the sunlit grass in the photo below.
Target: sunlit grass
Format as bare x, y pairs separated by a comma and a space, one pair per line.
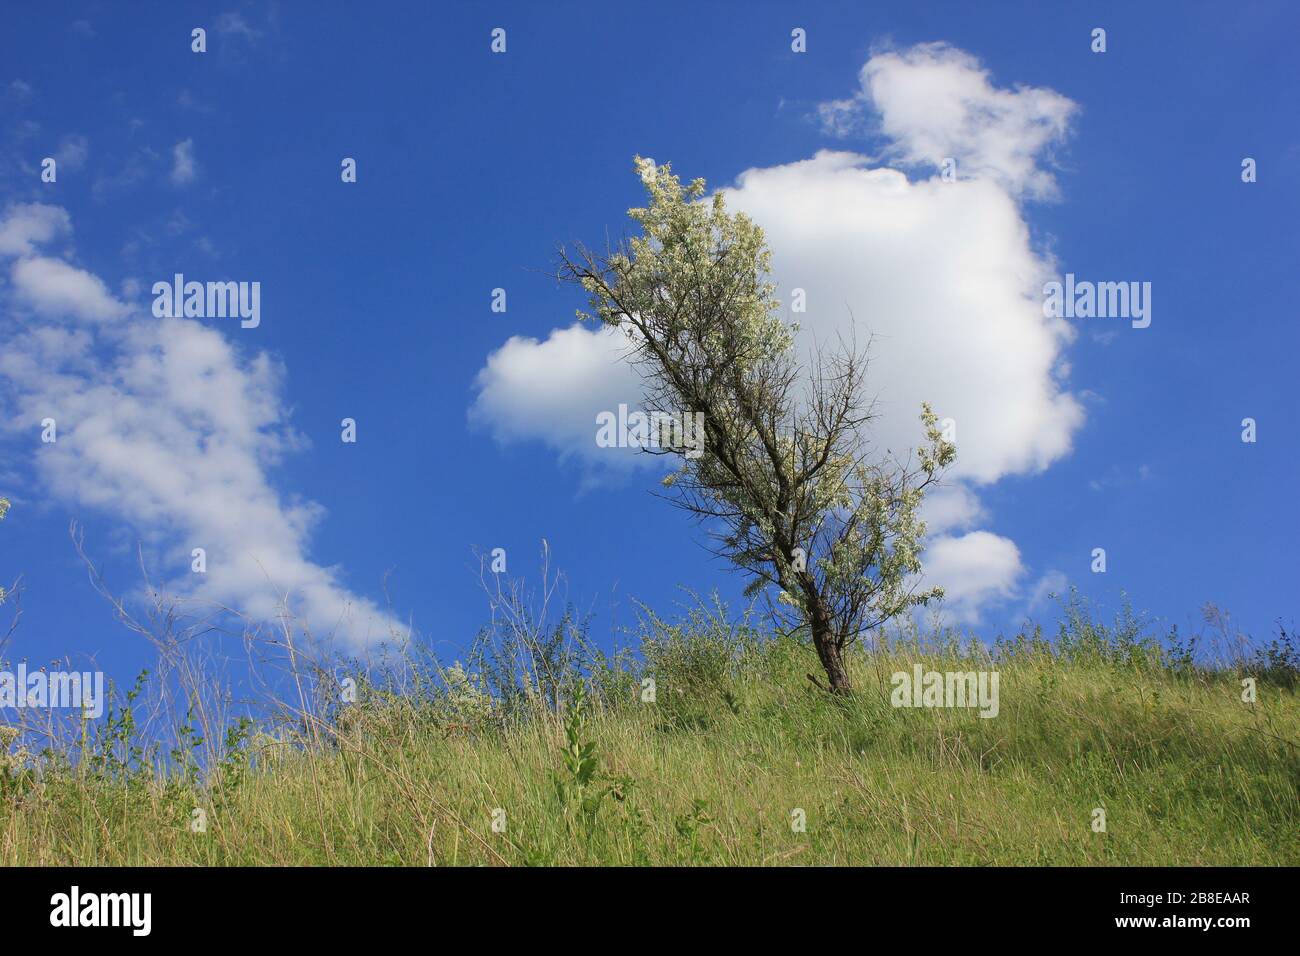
735, 751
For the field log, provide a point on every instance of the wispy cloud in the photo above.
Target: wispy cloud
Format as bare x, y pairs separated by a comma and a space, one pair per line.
184, 166
167, 426
1052, 584
17, 93
72, 152
233, 24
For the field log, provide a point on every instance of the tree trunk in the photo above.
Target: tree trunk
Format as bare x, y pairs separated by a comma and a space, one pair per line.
831, 655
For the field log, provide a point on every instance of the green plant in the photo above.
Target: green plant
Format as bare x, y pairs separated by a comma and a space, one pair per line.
233, 765
1279, 660
688, 826
578, 787
116, 752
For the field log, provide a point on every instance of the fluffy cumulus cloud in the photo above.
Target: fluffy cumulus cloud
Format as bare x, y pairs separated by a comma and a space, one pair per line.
552, 390
53, 287
939, 276
975, 569
935, 103
166, 425
28, 225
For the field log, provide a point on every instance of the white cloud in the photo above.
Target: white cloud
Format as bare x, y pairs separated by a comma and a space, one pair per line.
184, 167
552, 390
936, 102
939, 276
53, 287
165, 425
27, 225
951, 507
975, 570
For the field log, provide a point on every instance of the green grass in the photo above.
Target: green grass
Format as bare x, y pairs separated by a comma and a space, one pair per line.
712, 771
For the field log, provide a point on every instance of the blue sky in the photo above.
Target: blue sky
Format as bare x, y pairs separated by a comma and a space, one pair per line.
476, 429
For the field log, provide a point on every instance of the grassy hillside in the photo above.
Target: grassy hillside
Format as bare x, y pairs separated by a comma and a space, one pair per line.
714, 770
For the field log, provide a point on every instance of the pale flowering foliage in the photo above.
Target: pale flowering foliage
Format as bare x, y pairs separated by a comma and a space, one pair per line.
786, 472
13, 760
468, 701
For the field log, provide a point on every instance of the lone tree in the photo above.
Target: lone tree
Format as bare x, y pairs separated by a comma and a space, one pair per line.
784, 471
